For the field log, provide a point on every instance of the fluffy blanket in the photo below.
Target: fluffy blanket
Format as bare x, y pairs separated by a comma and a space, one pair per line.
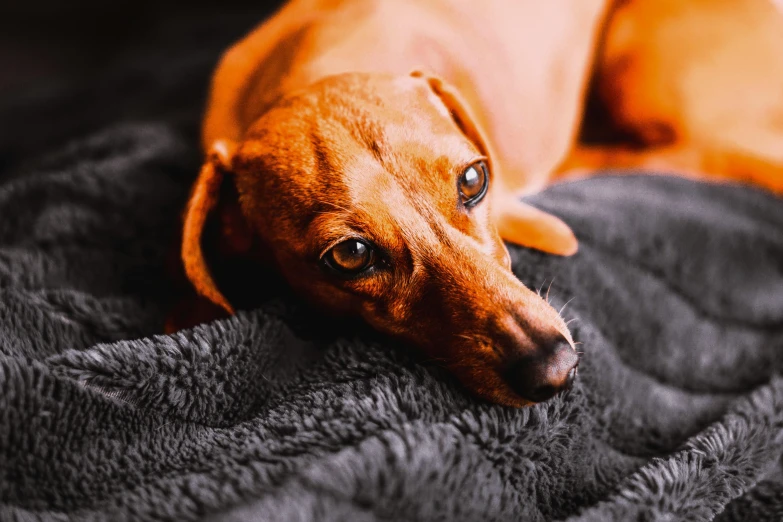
276, 415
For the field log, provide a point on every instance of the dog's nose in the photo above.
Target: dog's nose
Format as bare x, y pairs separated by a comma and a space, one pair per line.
544, 374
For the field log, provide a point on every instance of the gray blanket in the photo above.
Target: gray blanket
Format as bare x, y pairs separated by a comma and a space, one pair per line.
274, 415
279, 414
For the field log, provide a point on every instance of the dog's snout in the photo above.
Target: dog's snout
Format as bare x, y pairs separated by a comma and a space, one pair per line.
545, 373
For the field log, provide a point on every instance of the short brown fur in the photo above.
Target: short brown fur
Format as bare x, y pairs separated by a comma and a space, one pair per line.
324, 128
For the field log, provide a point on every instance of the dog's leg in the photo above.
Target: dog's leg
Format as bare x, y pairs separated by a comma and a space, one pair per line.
699, 163
527, 226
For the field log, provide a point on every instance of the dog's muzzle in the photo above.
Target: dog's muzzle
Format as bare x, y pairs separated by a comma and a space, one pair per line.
542, 375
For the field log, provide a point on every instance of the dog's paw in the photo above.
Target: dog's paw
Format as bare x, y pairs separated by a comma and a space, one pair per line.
527, 226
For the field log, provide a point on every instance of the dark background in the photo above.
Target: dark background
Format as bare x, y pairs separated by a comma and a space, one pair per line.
70, 68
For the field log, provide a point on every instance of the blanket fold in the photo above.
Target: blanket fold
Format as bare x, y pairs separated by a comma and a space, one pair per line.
677, 414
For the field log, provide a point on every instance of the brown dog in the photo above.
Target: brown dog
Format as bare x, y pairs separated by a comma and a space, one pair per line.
385, 194
697, 86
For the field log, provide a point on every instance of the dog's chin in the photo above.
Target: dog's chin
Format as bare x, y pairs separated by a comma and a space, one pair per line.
488, 385
505, 397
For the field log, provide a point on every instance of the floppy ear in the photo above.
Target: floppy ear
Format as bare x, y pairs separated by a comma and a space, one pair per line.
460, 112
517, 222
205, 199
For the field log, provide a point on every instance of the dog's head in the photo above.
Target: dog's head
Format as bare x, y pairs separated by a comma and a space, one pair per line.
371, 194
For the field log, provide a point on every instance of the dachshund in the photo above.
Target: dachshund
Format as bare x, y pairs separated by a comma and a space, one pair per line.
374, 152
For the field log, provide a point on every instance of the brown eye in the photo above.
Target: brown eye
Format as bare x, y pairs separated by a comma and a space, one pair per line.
473, 183
350, 257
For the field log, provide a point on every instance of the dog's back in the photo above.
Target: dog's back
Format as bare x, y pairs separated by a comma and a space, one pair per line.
696, 89
521, 65
702, 72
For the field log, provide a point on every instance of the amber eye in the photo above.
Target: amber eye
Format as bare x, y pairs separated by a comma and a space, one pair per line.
350, 257
473, 183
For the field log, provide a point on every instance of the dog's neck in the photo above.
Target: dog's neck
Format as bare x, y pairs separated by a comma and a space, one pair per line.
537, 104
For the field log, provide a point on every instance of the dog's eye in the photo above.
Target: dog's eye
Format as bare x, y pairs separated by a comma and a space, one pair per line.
350, 257
473, 183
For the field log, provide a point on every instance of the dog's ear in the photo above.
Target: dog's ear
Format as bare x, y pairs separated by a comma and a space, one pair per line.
213, 195
518, 222
459, 110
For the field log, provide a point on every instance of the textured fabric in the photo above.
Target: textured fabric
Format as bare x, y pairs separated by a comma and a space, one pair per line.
280, 414
273, 415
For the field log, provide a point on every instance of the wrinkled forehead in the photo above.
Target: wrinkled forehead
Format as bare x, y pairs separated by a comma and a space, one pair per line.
348, 150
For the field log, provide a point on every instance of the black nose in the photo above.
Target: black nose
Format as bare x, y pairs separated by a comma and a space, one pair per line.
545, 373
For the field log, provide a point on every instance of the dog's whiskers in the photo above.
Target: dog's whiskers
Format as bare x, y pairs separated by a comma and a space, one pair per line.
548, 289
540, 287
564, 306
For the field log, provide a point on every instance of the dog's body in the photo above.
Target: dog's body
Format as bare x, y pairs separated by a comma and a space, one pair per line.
481, 49
697, 86
490, 52
364, 184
